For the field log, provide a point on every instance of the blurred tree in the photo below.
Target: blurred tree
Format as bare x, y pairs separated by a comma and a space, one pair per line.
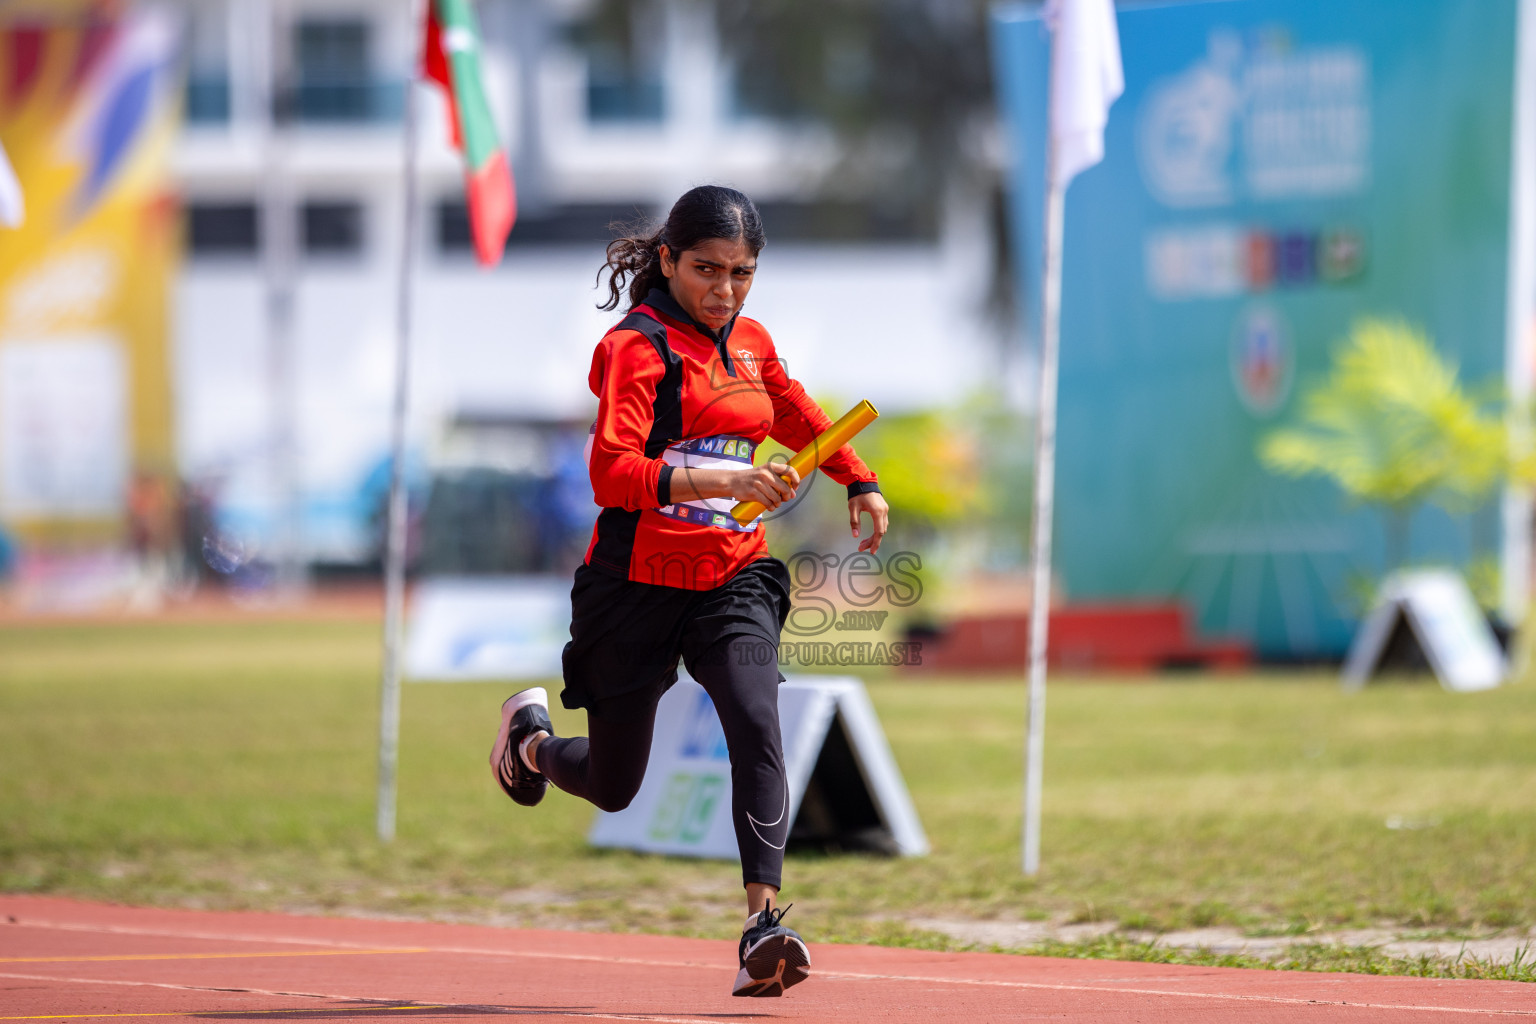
906, 84
625, 40
929, 465
1392, 426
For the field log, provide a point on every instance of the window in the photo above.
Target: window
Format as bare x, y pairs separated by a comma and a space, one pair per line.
207, 95
838, 221
335, 73
577, 224
332, 228
623, 43
618, 94
452, 224
222, 229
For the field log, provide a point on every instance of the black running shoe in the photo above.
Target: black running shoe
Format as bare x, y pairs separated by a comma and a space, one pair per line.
523, 713
772, 957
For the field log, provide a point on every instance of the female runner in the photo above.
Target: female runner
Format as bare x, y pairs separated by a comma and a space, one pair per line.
687, 389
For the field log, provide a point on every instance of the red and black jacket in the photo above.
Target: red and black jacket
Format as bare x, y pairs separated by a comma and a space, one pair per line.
672, 393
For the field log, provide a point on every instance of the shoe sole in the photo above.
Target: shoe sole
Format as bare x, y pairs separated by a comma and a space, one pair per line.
509, 708
773, 965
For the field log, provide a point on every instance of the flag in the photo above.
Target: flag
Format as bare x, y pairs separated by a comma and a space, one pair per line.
451, 58
124, 75
89, 114
11, 208
1086, 77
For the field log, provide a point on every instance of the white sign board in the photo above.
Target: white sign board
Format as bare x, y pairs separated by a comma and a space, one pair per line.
465, 628
843, 782
1436, 610
63, 427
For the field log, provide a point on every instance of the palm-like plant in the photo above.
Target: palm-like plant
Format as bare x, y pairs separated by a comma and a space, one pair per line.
1392, 426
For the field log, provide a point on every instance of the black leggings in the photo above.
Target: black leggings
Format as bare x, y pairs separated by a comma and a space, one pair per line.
608, 765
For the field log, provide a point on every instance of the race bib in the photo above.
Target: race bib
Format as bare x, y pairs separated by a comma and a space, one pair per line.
723, 451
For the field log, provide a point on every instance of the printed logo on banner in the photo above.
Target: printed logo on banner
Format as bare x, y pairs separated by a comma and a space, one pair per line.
686, 808
1260, 251
702, 735
1210, 261
1297, 259
1285, 121
1341, 255
1261, 360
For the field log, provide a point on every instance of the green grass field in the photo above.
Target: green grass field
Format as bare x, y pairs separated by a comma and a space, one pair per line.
232, 765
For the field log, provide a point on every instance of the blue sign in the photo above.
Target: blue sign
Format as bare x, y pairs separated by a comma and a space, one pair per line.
1276, 170
702, 736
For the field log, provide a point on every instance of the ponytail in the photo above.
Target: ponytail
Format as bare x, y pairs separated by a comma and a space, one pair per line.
637, 257
703, 213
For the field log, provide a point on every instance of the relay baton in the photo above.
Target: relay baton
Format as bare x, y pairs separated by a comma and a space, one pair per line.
814, 454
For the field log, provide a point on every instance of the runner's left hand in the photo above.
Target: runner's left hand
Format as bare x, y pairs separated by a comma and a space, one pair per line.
879, 516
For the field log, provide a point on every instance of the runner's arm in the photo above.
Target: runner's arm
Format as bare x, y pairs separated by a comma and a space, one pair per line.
797, 420
625, 373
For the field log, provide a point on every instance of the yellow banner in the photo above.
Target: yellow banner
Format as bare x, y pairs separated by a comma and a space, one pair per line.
89, 107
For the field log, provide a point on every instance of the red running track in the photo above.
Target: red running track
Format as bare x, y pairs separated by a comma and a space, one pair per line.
67, 960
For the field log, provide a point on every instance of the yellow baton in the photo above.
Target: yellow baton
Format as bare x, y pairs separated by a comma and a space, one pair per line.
807, 459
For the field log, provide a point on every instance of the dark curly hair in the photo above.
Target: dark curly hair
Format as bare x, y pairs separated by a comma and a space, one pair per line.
703, 213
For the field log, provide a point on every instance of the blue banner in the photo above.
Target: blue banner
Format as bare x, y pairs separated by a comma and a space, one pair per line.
1276, 170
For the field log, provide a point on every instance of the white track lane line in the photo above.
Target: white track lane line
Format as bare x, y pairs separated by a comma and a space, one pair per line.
367, 1000
1231, 996
842, 975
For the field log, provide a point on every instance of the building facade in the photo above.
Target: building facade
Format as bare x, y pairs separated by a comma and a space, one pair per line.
289, 170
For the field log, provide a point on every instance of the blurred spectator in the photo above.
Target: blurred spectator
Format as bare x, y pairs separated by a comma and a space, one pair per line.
152, 535
197, 525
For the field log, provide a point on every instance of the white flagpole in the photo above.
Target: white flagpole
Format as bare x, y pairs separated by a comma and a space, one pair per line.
1044, 507
1085, 78
394, 553
279, 229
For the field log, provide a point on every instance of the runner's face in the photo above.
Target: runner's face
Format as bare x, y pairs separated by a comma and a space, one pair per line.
711, 280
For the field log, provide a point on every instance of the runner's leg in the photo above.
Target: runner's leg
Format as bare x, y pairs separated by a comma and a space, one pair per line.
741, 675
607, 765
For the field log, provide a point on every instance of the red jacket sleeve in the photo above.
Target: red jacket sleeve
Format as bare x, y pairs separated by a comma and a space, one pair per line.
797, 420
624, 375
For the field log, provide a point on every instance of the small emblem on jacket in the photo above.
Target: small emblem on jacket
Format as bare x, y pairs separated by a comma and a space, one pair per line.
747, 360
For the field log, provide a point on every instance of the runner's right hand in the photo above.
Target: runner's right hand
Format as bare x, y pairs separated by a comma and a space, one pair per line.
764, 484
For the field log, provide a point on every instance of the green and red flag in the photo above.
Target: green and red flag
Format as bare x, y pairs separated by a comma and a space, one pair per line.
451, 58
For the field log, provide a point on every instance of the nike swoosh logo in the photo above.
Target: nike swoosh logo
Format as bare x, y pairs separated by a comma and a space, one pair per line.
771, 824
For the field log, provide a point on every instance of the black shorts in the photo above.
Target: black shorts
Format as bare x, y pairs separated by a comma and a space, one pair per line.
627, 636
